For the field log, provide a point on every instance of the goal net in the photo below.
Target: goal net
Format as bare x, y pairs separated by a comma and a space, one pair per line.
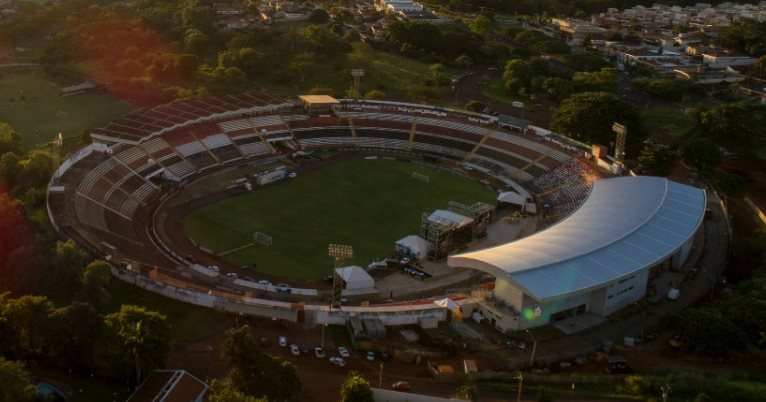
262, 238
421, 177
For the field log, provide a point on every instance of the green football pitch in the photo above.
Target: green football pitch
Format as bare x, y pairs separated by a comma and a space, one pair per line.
368, 204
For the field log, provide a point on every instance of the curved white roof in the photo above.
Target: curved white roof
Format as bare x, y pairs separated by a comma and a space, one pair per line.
625, 224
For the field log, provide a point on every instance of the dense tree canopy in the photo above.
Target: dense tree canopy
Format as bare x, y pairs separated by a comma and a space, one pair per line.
747, 35
589, 116
658, 159
14, 383
253, 372
356, 389
137, 338
702, 154
738, 121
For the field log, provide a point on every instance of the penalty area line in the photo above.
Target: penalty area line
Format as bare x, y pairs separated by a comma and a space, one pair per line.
234, 250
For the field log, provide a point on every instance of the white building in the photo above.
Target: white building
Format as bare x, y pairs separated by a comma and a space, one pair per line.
597, 260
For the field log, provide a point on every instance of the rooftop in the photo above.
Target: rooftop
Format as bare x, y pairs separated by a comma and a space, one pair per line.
626, 224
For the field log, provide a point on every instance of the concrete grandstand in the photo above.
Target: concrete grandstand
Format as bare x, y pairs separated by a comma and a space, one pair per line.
109, 197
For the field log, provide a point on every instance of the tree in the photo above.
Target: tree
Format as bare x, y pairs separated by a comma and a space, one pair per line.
9, 169
519, 74
138, 339
702, 154
707, 331
463, 61
474, 106
481, 25
438, 74
29, 319
601, 80
68, 261
735, 121
303, 63
319, 16
589, 116
375, 94
10, 140
657, 158
356, 389
224, 391
14, 383
75, 326
95, 278
467, 392
256, 373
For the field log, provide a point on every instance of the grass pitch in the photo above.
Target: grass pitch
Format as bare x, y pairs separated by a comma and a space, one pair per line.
368, 204
31, 104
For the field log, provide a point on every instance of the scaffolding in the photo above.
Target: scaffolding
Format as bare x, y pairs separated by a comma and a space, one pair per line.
439, 232
480, 212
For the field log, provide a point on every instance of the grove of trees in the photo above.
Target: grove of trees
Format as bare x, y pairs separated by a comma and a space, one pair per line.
589, 116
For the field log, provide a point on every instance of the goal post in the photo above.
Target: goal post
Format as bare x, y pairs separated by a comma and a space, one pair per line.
262, 238
421, 177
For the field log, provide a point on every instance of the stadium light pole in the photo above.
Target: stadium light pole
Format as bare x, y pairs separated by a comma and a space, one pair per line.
340, 252
534, 348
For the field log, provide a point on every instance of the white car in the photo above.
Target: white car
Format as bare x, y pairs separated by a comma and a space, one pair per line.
295, 350
283, 341
319, 352
214, 268
232, 275
338, 361
343, 352
264, 282
370, 356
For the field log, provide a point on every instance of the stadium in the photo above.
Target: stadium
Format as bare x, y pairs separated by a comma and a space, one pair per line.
379, 206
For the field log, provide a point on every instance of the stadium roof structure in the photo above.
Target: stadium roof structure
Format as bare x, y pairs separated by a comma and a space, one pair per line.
626, 224
319, 99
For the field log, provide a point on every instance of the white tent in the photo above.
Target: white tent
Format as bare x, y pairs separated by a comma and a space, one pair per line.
355, 277
510, 197
414, 246
446, 302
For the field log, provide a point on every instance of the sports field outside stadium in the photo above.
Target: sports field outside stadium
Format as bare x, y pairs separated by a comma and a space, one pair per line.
368, 204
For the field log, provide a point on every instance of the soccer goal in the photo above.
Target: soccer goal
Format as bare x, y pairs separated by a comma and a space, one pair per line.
262, 238
421, 177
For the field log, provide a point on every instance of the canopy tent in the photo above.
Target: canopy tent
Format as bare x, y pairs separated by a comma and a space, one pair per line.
413, 246
511, 197
449, 216
450, 305
355, 277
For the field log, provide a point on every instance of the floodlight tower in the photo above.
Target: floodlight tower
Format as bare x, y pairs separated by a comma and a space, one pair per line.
619, 147
357, 73
340, 252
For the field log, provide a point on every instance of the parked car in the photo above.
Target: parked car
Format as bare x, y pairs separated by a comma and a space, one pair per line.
319, 352
232, 275
370, 356
338, 361
264, 282
295, 350
214, 268
343, 352
401, 386
283, 341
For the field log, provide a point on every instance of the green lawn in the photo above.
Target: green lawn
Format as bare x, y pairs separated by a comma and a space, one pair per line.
396, 75
188, 322
44, 113
495, 89
368, 204
661, 122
